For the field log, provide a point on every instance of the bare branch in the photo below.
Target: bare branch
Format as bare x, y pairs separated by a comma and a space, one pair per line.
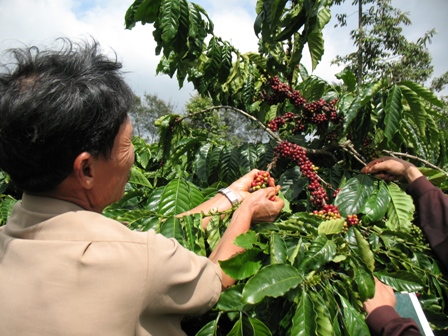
247, 115
409, 156
348, 147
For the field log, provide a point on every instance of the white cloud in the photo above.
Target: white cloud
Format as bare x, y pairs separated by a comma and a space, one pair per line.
236, 26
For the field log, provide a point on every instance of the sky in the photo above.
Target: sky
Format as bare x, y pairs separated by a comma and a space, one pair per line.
40, 22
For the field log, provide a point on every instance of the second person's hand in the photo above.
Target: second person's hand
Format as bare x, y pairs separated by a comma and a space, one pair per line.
264, 204
390, 168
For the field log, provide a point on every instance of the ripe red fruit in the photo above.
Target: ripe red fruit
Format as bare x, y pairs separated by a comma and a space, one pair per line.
260, 181
352, 219
297, 154
328, 211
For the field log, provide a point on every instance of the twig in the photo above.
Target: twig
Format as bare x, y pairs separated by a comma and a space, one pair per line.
272, 164
348, 147
247, 115
409, 156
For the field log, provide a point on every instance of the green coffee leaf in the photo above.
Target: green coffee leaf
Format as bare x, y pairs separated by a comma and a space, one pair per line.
365, 253
273, 281
304, 320
331, 226
243, 265
353, 321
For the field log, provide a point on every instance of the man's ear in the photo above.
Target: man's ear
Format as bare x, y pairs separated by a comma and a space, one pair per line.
84, 169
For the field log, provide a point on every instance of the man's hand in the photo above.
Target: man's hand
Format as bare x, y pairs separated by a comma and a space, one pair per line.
256, 207
390, 168
242, 186
264, 204
384, 296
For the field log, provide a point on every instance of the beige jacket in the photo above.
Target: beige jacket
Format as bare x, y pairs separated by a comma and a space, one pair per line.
66, 271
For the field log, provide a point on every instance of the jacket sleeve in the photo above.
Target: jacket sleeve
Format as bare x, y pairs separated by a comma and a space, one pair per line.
432, 216
385, 321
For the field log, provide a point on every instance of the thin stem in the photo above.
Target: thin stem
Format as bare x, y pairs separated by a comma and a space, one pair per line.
348, 147
247, 115
409, 156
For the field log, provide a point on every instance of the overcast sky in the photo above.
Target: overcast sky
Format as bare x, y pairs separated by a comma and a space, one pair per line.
39, 22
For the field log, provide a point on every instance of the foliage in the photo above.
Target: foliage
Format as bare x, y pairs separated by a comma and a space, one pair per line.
190, 50
385, 51
439, 83
145, 112
302, 273
9, 194
309, 271
220, 124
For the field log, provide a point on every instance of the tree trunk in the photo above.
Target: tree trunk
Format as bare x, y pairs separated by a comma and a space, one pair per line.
359, 75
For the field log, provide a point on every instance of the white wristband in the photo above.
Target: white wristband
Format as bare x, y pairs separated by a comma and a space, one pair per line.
230, 196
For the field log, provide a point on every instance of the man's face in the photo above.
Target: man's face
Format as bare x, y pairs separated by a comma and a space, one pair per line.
112, 174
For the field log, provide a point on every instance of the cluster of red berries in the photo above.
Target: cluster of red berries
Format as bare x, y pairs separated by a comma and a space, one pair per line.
297, 154
336, 192
318, 112
321, 111
280, 91
261, 181
276, 123
296, 99
300, 126
328, 211
352, 220
279, 121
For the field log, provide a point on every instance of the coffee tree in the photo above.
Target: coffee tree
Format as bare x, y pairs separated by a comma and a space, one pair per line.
309, 271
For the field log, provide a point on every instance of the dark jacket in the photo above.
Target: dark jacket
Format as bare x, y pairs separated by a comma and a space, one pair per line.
432, 217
